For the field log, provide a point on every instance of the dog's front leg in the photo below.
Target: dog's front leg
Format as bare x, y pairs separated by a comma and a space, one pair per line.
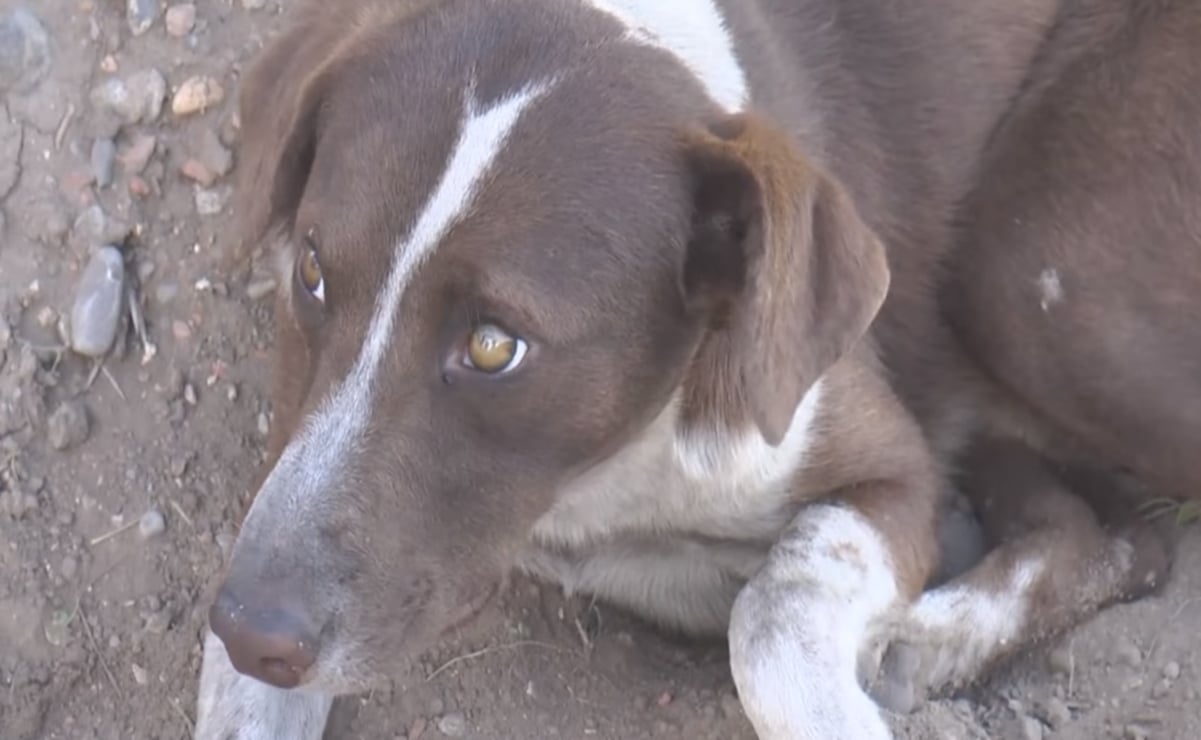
232, 706
837, 574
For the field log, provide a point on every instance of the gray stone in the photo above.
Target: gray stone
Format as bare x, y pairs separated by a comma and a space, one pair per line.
137, 98
24, 51
152, 524
104, 153
99, 300
453, 724
68, 426
211, 201
141, 15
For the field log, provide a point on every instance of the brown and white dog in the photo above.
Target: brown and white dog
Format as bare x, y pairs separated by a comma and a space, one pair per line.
689, 304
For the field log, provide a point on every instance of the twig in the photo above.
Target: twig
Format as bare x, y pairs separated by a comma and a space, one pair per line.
179, 510
184, 716
109, 535
83, 619
61, 133
113, 382
488, 651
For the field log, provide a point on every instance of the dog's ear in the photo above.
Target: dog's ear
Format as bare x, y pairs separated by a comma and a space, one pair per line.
279, 103
783, 268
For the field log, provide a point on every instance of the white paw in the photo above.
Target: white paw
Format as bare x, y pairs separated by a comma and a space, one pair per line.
232, 706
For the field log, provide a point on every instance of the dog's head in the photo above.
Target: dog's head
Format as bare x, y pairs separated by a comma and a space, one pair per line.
511, 239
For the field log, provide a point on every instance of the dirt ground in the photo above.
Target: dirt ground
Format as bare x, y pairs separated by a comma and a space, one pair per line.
117, 488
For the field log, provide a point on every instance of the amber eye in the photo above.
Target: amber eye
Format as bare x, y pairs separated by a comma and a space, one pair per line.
308, 271
492, 350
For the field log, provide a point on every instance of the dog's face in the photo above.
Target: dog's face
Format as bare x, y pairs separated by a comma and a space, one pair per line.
506, 249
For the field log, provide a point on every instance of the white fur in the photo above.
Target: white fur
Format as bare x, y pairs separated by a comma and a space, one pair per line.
798, 627
233, 703
694, 32
964, 626
232, 706
314, 456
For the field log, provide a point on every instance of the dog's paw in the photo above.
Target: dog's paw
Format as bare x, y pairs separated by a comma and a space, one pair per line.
1147, 558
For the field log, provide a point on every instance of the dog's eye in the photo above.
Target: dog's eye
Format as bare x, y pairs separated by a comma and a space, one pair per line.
308, 271
494, 351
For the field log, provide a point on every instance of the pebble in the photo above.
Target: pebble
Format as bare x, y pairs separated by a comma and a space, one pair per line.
180, 19
69, 567
24, 51
1127, 653
1136, 732
141, 15
195, 170
93, 227
58, 628
189, 394
254, 4
453, 724
263, 424
140, 677
68, 426
104, 152
1032, 729
137, 98
99, 299
1056, 713
152, 524
137, 155
196, 95
210, 202
1171, 671
212, 153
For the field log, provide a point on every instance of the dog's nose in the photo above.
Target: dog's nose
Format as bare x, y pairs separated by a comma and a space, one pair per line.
272, 642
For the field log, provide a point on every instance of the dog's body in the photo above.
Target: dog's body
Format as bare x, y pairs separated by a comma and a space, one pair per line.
671, 225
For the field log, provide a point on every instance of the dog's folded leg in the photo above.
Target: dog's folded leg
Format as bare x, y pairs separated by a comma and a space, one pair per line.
1052, 565
232, 706
798, 629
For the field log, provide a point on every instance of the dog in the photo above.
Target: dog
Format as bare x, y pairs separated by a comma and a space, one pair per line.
708, 308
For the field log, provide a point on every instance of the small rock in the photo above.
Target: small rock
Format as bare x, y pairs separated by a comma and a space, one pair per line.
263, 424
58, 628
254, 4
141, 15
138, 187
210, 202
69, 567
1127, 653
135, 99
24, 51
197, 94
68, 426
152, 524
104, 151
453, 724
180, 19
1171, 671
99, 299
1056, 713
212, 153
663, 699
137, 155
1032, 729
194, 169
189, 394
93, 227
140, 676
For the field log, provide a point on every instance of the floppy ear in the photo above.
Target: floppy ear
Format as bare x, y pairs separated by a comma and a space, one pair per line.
279, 103
780, 262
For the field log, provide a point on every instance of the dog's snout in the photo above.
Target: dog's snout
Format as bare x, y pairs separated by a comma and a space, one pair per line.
271, 639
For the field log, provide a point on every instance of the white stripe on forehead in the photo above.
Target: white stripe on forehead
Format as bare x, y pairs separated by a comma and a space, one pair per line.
693, 31
334, 430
